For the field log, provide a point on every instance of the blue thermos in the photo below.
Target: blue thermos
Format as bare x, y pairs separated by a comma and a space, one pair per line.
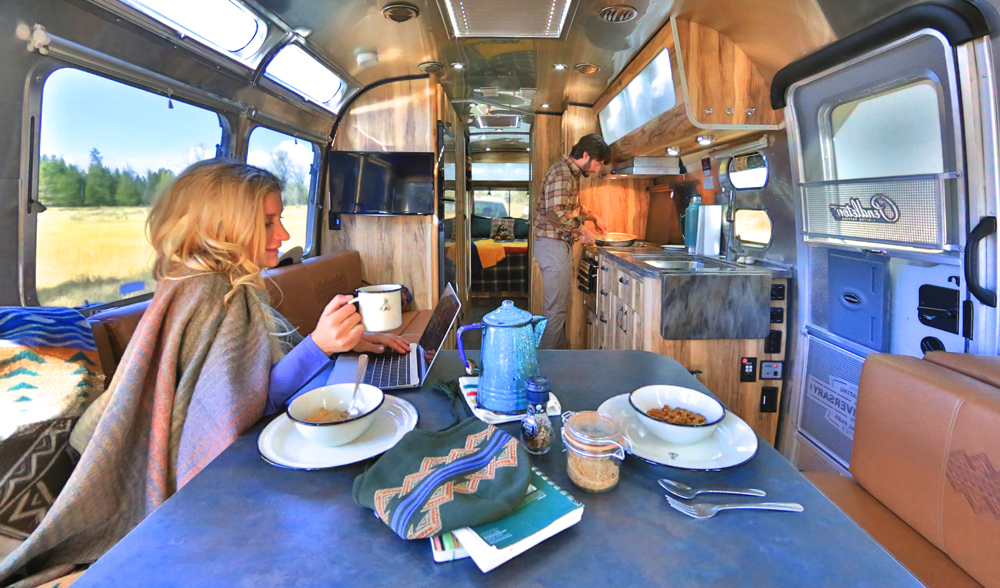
691, 223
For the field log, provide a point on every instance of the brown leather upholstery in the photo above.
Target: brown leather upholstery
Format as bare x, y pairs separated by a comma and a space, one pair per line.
929, 564
985, 368
113, 330
927, 446
301, 291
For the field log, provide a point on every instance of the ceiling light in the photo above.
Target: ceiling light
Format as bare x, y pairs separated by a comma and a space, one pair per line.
706, 140
559, 66
587, 68
400, 11
673, 151
487, 148
367, 59
458, 65
431, 67
225, 25
525, 20
545, 105
302, 73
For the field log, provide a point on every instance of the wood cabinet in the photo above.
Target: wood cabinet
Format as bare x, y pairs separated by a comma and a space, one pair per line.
628, 317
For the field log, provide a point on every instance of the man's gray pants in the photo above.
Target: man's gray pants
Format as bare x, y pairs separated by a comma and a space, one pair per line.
555, 259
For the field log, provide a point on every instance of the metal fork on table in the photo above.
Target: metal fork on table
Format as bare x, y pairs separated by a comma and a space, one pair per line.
707, 511
687, 492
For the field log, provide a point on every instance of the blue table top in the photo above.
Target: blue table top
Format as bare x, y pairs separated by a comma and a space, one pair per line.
242, 522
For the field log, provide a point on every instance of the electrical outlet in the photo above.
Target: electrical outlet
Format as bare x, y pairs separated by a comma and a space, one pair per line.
771, 370
748, 369
769, 399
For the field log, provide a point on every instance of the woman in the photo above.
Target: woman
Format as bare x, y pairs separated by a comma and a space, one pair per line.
206, 361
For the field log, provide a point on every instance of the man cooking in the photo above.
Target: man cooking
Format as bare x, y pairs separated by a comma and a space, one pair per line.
558, 223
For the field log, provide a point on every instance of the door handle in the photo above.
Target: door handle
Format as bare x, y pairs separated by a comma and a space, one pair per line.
622, 281
986, 227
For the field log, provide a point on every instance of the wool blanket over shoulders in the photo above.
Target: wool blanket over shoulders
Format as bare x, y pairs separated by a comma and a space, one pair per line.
194, 376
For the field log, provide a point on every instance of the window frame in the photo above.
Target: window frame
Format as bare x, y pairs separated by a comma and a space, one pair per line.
755, 245
310, 248
31, 158
348, 90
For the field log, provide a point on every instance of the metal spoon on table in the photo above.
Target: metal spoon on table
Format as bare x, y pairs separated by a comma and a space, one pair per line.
687, 492
353, 410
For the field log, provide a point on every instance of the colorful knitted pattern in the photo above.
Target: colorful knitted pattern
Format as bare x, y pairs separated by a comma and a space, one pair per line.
434, 482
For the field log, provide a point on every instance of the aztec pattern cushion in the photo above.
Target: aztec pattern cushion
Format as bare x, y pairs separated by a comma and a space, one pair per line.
433, 482
49, 374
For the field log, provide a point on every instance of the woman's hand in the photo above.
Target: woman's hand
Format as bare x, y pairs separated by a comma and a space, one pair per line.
339, 328
377, 342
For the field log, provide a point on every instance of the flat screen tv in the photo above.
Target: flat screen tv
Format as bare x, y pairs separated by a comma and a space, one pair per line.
381, 183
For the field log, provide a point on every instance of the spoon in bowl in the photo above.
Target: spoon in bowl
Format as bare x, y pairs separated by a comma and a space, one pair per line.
353, 410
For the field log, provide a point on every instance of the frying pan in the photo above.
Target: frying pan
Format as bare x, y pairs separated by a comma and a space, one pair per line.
615, 239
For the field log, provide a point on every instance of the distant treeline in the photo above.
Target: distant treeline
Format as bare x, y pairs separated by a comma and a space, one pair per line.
64, 184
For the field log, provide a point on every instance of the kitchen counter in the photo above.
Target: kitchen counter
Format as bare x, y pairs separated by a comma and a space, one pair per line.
627, 257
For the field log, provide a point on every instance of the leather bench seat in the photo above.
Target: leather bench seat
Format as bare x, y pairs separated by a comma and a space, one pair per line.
925, 466
299, 292
928, 563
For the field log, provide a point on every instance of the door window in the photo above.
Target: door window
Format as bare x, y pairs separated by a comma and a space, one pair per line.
106, 150
292, 160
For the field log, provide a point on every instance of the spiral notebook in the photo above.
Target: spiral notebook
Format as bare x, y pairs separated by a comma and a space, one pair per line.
546, 510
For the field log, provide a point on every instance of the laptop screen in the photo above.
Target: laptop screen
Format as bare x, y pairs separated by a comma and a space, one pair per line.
444, 315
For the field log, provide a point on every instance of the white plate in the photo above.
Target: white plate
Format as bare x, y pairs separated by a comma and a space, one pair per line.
732, 443
281, 444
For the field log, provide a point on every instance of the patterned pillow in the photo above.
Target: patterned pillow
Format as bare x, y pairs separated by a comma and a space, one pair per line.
49, 374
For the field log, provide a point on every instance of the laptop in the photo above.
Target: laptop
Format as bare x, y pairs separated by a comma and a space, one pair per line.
398, 371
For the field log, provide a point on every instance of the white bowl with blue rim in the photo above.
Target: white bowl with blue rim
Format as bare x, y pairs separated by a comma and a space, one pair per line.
650, 398
336, 397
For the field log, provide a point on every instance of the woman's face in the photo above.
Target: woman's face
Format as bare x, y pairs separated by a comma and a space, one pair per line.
276, 232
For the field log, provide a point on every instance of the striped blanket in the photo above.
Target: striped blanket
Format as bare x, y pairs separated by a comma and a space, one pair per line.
194, 376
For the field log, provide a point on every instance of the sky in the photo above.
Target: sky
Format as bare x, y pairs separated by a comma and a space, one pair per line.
134, 128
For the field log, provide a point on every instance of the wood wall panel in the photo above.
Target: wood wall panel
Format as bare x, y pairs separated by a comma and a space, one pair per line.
501, 157
546, 149
400, 116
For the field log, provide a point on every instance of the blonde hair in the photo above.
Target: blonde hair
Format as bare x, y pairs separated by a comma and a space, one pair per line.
210, 219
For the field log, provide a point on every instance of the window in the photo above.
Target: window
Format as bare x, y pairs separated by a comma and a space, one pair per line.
747, 172
224, 25
106, 149
502, 203
647, 96
292, 161
501, 172
303, 74
896, 133
753, 227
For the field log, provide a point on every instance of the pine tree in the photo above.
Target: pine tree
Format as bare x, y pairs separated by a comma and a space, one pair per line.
100, 188
128, 192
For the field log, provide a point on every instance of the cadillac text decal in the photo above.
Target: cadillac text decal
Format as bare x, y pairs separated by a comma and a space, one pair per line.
880, 209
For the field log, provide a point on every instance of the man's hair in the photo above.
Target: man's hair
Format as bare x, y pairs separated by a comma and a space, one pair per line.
592, 145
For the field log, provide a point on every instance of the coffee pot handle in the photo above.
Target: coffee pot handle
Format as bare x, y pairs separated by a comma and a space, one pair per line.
470, 367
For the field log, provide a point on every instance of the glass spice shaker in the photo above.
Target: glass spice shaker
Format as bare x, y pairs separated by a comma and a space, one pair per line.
536, 427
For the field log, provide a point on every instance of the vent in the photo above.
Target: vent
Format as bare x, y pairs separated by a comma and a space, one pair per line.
518, 19
490, 92
830, 398
498, 121
431, 67
400, 11
619, 13
587, 68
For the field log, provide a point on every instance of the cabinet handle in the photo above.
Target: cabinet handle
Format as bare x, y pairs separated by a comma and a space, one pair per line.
623, 280
603, 293
590, 322
604, 268
602, 319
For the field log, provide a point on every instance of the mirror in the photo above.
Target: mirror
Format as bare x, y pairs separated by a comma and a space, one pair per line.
745, 172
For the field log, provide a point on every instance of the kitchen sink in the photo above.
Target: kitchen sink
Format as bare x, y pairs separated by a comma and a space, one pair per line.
674, 265
681, 262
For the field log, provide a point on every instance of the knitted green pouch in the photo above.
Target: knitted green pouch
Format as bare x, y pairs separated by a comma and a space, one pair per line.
432, 482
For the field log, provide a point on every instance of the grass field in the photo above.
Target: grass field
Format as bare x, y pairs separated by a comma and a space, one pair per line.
86, 255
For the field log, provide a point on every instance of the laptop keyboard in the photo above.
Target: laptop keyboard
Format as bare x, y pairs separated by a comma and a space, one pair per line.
388, 369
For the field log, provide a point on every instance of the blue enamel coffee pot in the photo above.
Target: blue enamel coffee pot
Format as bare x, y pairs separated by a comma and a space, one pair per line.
508, 356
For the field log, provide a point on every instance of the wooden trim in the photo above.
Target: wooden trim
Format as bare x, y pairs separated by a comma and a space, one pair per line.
662, 187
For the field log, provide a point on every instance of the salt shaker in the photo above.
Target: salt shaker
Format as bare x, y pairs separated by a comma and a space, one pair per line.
536, 428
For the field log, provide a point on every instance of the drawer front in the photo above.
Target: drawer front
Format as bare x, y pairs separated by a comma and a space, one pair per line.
625, 281
638, 293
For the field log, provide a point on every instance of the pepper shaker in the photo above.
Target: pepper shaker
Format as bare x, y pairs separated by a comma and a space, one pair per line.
536, 427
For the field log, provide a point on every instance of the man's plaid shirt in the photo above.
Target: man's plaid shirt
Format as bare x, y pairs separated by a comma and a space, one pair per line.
560, 196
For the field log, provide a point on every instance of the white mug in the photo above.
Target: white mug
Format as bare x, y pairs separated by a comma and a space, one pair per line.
381, 307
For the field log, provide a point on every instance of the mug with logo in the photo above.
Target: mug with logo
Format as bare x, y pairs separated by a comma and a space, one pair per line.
381, 307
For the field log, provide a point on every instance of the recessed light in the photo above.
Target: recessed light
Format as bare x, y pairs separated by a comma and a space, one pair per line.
487, 148
706, 140
545, 105
673, 151
529, 148
458, 65
559, 66
587, 68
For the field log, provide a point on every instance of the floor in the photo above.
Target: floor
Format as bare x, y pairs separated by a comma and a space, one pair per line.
477, 308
